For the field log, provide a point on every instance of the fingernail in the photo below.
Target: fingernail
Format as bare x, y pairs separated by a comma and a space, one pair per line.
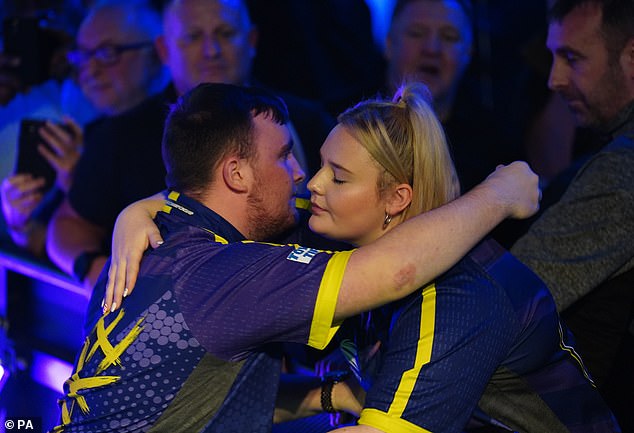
105, 308
125, 292
159, 242
114, 305
103, 301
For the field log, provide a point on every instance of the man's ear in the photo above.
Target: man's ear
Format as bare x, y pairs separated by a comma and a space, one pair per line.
237, 174
399, 199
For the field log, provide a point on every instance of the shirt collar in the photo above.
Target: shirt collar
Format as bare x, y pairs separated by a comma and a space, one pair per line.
200, 215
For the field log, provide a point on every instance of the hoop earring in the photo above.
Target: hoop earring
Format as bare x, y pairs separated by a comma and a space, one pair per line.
387, 220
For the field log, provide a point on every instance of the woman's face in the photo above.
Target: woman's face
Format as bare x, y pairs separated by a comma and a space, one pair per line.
345, 201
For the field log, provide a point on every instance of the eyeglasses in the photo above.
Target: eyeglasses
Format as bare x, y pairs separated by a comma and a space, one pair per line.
106, 55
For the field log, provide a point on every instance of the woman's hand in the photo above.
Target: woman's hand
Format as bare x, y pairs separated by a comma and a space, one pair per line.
64, 151
134, 232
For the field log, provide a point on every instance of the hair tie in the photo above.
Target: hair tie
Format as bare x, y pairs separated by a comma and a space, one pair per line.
398, 98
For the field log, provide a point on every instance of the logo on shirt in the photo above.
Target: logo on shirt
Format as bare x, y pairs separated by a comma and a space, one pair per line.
302, 254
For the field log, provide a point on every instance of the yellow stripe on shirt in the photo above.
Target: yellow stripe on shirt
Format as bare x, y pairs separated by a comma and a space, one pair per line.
388, 423
423, 352
322, 329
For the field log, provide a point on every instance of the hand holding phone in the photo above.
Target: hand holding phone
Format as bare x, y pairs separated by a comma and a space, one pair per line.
64, 143
49, 151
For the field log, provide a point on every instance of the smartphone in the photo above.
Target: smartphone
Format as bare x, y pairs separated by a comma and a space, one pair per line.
30, 160
21, 36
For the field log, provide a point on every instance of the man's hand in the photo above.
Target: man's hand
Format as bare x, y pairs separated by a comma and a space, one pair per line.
66, 149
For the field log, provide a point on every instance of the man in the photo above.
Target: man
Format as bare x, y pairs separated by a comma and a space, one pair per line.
212, 303
117, 68
583, 246
203, 41
432, 41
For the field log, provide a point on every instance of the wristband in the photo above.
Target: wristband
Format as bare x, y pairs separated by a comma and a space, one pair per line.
328, 381
81, 265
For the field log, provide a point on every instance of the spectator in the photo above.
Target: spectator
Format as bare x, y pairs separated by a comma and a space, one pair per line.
203, 41
117, 68
583, 245
117, 65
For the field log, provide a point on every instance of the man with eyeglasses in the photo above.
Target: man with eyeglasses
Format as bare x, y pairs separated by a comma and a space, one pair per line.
203, 41
115, 58
117, 68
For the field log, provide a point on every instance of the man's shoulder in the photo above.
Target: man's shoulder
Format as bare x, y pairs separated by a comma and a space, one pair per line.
610, 167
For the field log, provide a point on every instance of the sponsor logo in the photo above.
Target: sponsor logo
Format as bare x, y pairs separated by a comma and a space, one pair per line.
302, 255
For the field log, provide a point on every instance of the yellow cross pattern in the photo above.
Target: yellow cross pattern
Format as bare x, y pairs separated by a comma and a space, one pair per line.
111, 357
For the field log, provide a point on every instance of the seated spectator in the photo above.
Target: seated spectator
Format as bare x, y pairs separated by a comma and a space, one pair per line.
583, 245
203, 41
117, 68
212, 303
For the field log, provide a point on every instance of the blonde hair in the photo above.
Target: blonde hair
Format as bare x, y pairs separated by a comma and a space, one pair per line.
406, 139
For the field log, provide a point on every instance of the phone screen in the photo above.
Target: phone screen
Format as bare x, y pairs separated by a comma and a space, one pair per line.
29, 158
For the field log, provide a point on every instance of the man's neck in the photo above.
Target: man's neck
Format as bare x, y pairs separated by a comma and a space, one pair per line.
229, 206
